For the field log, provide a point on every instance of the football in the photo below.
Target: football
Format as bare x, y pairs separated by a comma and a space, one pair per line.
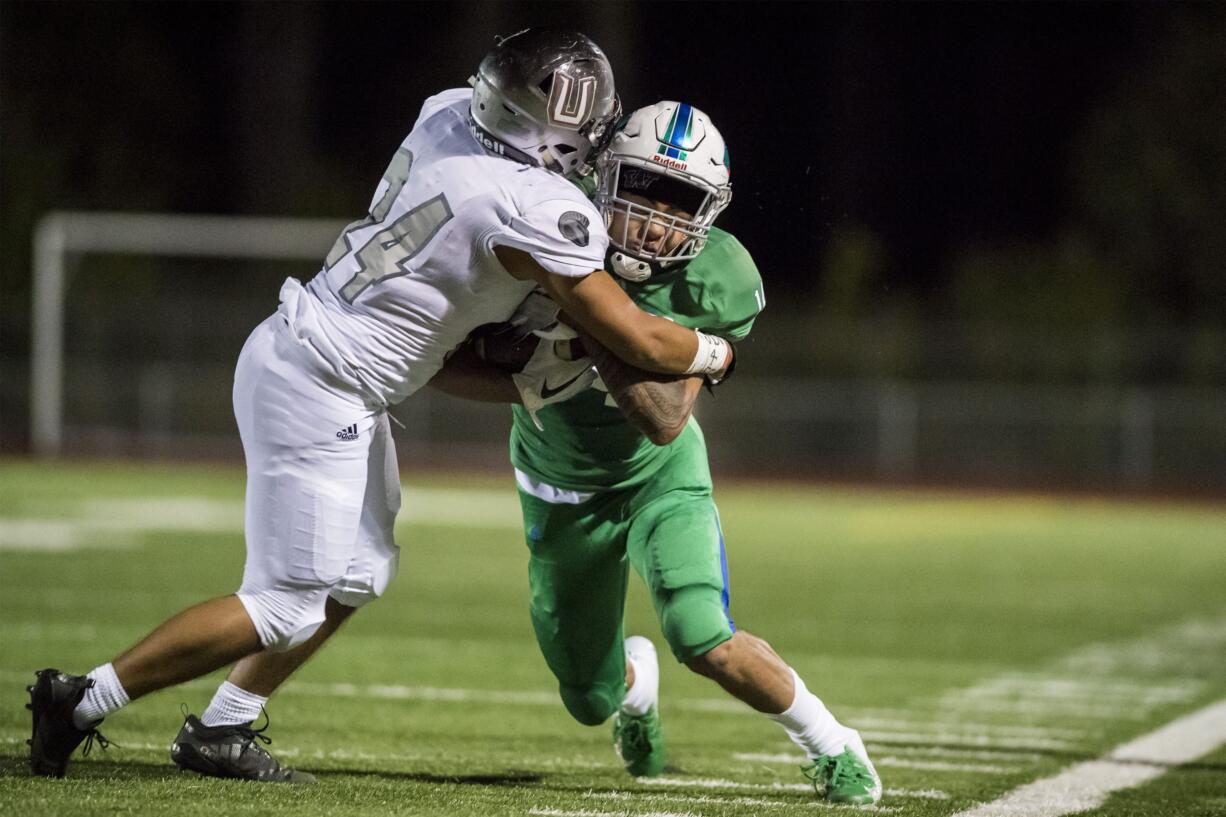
501, 345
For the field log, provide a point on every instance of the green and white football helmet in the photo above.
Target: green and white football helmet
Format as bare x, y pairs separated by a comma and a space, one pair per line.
668, 152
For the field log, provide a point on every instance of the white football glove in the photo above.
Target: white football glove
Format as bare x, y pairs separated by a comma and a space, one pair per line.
550, 376
535, 314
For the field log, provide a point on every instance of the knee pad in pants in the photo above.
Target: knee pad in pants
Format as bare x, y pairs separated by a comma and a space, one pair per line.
591, 705
284, 619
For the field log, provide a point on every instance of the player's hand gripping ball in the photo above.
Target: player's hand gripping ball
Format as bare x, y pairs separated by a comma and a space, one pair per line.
502, 346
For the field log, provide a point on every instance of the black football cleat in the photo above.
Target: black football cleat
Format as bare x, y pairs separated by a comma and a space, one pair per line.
53, 697
230, 752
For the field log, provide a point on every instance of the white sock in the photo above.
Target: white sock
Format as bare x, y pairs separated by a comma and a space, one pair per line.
642, 696
810, 725
104, 697
232, 705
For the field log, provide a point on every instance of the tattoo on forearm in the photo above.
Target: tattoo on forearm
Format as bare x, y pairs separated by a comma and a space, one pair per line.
657, 405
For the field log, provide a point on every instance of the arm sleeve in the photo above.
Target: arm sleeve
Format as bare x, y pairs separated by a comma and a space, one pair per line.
565, 236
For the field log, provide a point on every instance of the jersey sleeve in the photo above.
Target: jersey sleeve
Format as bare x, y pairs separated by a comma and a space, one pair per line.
565, 235
726, 286
455, 97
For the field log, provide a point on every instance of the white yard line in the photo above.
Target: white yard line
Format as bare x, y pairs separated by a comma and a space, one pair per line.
968, 754
300, 755
975, 739
116, 523
1094, 690
905, 719
715, 783
1086, 786
886, 761
1030, 707
542, 698
995, 729
38, 631
703, 799
558, 812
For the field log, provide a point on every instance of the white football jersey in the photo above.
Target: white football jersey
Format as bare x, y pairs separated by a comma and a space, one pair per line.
404, 286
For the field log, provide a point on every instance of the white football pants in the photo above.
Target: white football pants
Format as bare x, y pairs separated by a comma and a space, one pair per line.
323, 489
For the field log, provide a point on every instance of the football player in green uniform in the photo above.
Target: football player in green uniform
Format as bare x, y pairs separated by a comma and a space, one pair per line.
617, 475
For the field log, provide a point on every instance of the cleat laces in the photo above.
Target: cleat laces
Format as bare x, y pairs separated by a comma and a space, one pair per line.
837, 771
635, 735
92, 735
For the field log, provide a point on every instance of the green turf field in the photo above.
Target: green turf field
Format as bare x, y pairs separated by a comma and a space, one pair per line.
979, 643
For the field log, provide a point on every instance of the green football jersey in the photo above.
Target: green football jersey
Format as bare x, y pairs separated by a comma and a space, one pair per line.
587, 444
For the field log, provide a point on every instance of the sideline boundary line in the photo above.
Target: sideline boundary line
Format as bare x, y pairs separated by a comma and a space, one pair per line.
1087, 785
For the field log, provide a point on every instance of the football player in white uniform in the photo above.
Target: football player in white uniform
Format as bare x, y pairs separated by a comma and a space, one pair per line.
473, 213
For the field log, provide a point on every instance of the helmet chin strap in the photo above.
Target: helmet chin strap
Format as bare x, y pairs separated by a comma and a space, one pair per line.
632, 269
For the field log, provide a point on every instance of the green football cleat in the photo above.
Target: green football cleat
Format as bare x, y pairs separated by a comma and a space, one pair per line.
848, 777
639, 742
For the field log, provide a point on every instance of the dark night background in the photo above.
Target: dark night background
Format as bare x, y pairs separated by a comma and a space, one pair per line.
1014, 192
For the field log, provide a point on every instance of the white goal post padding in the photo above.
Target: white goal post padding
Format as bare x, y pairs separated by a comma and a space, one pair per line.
61, 235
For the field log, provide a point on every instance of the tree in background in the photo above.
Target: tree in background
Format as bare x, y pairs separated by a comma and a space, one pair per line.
1132, 285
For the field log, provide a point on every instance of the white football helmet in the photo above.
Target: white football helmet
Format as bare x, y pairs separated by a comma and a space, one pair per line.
545, 98
668, 152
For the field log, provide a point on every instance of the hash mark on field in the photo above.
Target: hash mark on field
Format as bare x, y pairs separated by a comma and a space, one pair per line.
1112, 681
1087, 785
896, 762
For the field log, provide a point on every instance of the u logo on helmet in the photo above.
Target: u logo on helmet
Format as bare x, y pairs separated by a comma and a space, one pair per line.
571, 101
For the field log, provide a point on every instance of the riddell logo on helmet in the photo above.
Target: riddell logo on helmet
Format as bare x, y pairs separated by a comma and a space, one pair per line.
667, 162
484, 138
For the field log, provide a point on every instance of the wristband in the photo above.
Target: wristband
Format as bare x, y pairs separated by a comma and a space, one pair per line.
711, 357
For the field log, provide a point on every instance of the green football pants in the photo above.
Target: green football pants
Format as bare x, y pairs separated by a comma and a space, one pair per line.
577, 574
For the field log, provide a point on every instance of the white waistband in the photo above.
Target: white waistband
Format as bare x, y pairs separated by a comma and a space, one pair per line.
548, 493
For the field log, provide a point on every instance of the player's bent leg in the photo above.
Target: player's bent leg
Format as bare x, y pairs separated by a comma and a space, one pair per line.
637, 737
677, 546
223, 741
583, 651
261, 674
67, 709
577, 577
195, 642
748, 668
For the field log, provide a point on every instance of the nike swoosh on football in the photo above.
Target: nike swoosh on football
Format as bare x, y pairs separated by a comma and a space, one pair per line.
547, 392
